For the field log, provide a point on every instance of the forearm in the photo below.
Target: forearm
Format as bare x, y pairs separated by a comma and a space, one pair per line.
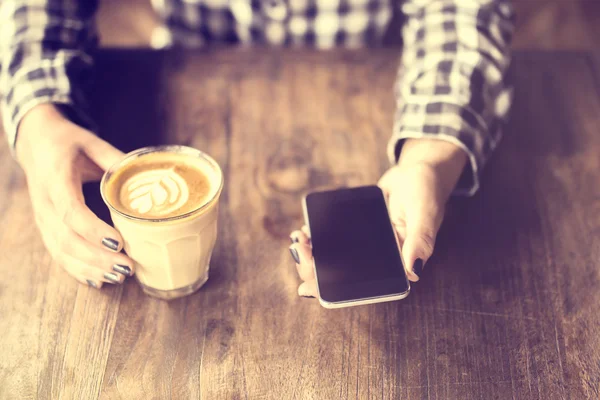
44, 56
452, 86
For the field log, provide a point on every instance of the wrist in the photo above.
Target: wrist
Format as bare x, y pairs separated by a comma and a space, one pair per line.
446, 159
38, 116
36, 121
434, 152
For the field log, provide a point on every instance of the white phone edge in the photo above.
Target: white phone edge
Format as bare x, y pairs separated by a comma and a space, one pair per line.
360, 302
357, 302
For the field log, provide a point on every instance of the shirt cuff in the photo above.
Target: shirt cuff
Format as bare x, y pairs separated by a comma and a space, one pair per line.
453, 128
33, 93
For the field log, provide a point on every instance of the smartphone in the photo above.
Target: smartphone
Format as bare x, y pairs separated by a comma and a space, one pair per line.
356, 251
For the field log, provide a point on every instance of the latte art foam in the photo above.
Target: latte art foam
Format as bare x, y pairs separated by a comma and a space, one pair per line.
160, 185
159, 192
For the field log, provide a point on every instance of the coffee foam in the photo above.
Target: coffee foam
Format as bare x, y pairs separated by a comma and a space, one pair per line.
158, 192
161, 185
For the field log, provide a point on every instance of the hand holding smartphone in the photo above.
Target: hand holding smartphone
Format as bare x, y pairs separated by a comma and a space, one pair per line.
355, 248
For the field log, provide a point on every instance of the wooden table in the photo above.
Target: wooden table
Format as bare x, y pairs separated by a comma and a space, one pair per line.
507, 307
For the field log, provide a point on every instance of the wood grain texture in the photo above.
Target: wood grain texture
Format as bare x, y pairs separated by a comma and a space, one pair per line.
506, 309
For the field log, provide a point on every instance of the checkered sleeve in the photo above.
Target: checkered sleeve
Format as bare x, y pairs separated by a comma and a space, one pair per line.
453, 84
44, 57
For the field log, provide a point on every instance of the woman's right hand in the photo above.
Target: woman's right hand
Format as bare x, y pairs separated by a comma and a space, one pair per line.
417, 190
58, 156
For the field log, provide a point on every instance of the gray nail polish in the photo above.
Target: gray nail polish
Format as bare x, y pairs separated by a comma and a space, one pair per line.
110, 243
91, 283
308, 297
122, 269
295, 255
418, 266
112, 277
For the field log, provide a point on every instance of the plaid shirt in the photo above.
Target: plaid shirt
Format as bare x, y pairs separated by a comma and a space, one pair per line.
451, 85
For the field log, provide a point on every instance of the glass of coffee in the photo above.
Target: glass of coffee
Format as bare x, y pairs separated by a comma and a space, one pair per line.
164, 201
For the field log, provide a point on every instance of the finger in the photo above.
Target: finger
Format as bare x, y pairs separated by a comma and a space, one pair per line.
61, 240
398, 218
421, 232
400, 228
94, 274
306, 231
401, 244
397, 208
96, 284
76, 271
102, 152
308, 289
302, 256
69, 243
71, 209
41, 205
386, 181
84, 272
299, 237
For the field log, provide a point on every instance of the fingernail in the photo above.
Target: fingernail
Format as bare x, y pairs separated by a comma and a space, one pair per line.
92, 283
110, 243
307, 297
112, 277
122, 269
294, 240
295, 255
418, 267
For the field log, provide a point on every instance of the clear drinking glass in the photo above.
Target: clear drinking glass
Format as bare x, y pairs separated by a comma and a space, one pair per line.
172, 255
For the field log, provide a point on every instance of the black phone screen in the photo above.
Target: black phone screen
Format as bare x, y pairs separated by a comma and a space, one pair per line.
354, 245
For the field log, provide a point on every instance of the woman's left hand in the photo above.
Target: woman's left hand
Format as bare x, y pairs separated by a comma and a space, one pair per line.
417, 190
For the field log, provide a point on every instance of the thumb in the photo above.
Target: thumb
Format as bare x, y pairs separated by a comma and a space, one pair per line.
102, 153
421, 230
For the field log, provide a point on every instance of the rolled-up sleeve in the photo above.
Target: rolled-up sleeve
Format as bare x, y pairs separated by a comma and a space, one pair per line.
453, 83
44, 57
